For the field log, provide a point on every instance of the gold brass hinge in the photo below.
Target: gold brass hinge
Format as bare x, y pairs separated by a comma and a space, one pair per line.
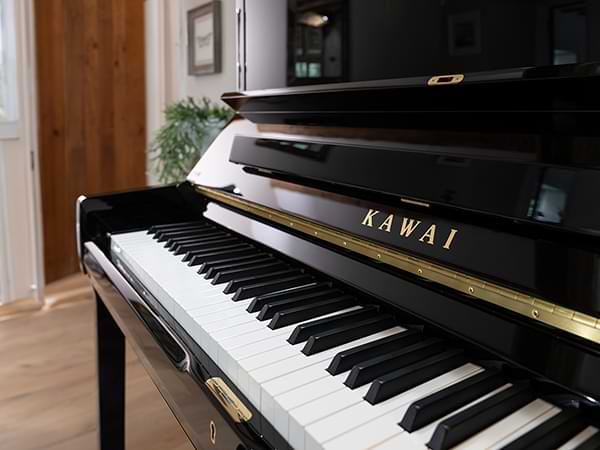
228, 400
440, 80
540, 310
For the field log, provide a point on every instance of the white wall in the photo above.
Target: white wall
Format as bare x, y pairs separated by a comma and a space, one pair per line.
166, 60
211, 86
19, 256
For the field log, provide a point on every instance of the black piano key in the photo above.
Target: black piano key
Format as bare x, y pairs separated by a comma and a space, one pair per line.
209, 243
269, 310
366, 371
310, 309
175, 244
303, 331
236, 284
232, 265
220, 255
171, 226
306, 291
402, 380
163, 236
206, 266
271, 286
215, 248
551, 434
333, 338
226, 276
592, 443
345, 360
199, 235
459, 427
441, 403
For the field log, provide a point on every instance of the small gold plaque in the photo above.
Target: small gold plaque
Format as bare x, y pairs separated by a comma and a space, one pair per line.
442, 80
232, 404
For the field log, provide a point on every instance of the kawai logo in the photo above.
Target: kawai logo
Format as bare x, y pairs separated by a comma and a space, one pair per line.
409, 228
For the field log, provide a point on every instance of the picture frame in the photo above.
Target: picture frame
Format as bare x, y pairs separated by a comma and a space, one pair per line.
204, 39
464, 33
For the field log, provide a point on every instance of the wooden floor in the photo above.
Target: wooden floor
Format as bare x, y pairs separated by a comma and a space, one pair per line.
48, 391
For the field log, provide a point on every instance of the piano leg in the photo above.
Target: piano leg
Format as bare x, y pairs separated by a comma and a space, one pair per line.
111, 380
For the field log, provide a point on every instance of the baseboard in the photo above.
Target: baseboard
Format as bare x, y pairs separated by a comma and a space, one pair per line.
18, 308
72, 289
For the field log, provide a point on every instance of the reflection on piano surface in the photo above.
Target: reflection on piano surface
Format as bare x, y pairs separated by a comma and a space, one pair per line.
381, 265
331, 325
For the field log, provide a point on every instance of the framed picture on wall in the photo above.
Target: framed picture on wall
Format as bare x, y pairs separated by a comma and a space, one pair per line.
204, 39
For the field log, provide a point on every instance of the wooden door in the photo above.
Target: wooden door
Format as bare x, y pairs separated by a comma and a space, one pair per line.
91, 99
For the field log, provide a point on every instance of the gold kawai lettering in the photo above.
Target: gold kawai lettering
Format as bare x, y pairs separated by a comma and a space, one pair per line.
368, 220
408, 226
386, 225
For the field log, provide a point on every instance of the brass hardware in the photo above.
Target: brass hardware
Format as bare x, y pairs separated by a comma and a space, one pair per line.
415, 202
407, 227
443, 80
565, 319
213, 432
232, 404
535, 313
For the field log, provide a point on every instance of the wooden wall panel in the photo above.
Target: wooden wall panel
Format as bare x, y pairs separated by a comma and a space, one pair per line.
91, 98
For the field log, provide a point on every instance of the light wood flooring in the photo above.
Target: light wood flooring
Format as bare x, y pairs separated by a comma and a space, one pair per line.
48, 389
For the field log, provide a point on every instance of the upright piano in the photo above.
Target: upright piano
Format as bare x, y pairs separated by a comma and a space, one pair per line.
394, 244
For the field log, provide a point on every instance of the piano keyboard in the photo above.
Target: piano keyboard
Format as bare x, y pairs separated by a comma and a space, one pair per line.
328, 369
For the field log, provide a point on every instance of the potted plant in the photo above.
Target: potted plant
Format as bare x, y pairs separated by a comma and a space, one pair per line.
189, 129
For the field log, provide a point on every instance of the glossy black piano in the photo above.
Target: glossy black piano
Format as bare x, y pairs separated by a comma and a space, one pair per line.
393, 245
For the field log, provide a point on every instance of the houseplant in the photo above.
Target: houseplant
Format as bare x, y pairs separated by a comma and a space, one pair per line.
189, 128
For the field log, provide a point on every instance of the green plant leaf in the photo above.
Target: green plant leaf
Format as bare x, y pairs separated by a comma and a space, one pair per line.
188, 131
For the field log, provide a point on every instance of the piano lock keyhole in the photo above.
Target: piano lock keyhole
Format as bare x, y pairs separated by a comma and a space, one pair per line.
213, 432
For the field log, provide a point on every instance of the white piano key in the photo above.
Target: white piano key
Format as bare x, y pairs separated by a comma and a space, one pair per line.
301, 395
370, 434
263, 374
247, 350
272, 357
223, 320
392, 443
317, 432
245, 380
213, 307
246, 335
507, 429
263, 331
286, 393
579, 439
205, 326
525, 428
386, 427
268, 392
199, 298
249, 341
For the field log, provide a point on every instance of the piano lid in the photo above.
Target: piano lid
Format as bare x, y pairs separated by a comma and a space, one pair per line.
532, 268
